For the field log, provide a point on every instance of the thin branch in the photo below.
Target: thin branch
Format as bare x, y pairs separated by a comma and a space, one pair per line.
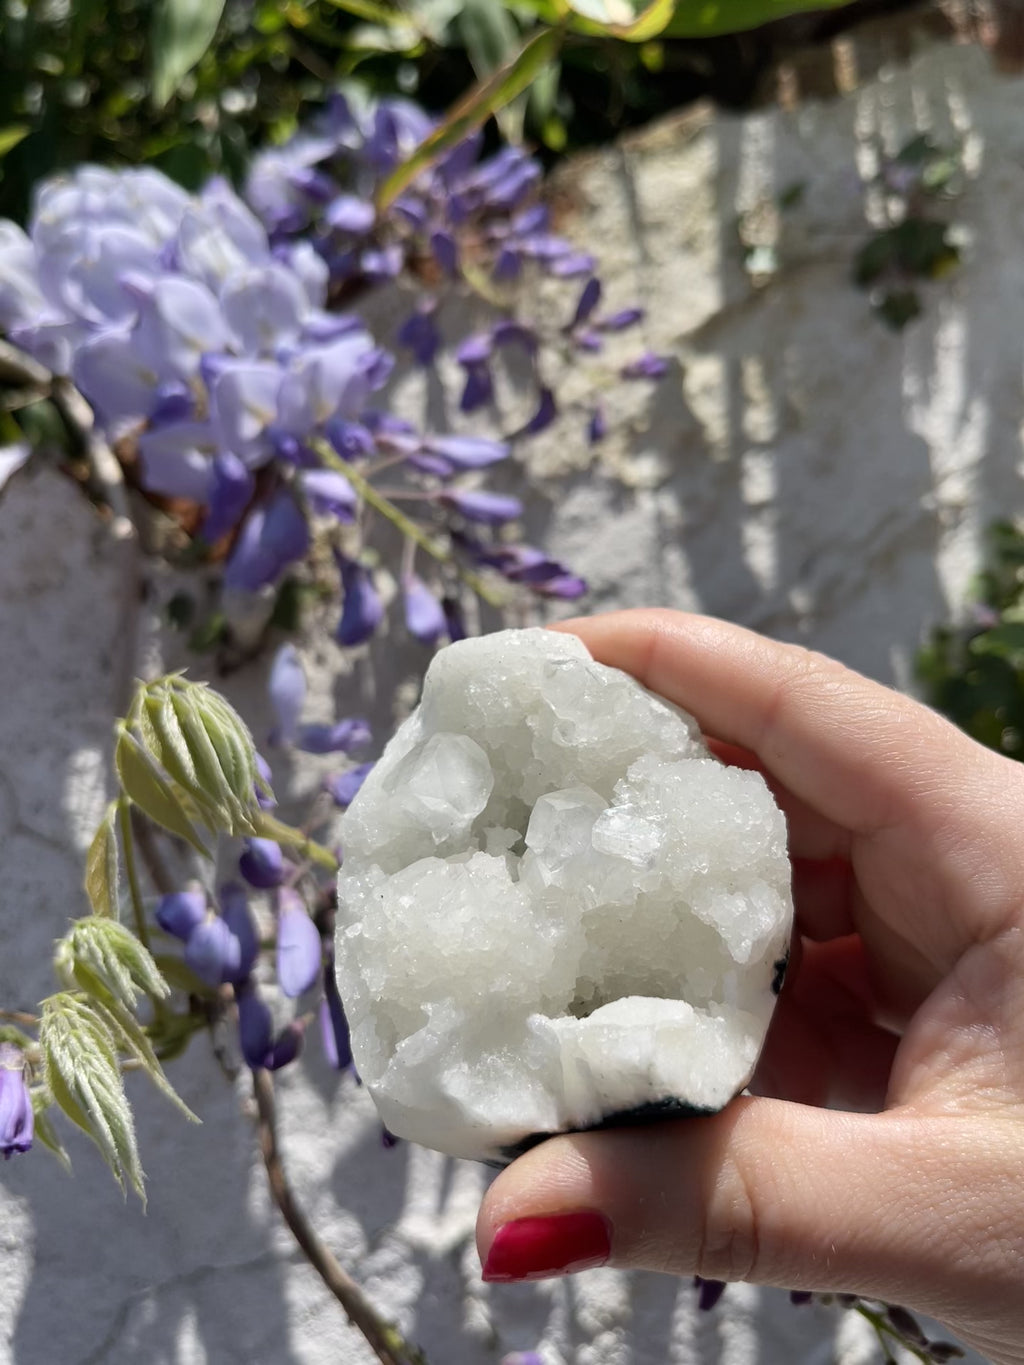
384, 1338
20, 1017
104, 469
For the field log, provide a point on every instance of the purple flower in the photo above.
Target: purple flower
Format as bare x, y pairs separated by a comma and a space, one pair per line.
475, 349
234, 908
286, 1046
543, 417
243, 405
179, 912
330, 493
17, 1122
479, 505
424, 615
508, 332
351, 440
586, 339
798, 1297
262, 863
573, 263
343, 787
646, 366
347, 213
177, 460
273, 536
453, 618
588, 301
287, 688
340, 738
265, 306
618, 322
467, 452
710, 1292
478, 389
597, 427
214, 952
230, 489
299, 948
446, 251
420, 334
362, 609
334, 1031
255, 1027
264, 796
507, 265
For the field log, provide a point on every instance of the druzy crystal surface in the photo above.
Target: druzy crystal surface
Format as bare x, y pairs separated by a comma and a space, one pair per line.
556, 908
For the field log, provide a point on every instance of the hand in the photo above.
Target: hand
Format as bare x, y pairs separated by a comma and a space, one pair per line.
905, 1002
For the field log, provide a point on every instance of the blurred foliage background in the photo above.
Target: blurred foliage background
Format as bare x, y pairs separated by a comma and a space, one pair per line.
190, 85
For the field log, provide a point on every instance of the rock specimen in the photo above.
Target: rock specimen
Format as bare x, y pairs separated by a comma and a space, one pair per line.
557, 909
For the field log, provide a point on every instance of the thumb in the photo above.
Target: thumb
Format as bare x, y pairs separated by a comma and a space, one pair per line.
897, 1206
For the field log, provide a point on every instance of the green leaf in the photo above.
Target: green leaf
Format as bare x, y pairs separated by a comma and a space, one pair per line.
492, 38
131, 1038
11, 136
622, 19
213, 783
474, 109
182, 31
103, 952
704, 18
102, 871
84, 1077
42, 1102
372, 12
144, 784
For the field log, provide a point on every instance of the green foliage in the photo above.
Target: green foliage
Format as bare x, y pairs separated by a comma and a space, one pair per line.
191, 85
182, 31
974, 673
186, 759
102, 866
106, 960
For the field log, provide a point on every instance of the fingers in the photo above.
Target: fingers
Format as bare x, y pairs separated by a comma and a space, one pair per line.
893, 1206
931, 817
853, 750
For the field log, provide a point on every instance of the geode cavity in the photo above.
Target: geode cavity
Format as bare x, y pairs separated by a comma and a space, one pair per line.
556, 907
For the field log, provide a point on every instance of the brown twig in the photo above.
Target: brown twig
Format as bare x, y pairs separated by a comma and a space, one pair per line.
384, 1338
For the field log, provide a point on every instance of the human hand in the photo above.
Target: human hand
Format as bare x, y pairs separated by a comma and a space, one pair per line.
905, 1001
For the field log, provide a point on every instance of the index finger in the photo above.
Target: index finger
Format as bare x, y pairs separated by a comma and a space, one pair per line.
858, 752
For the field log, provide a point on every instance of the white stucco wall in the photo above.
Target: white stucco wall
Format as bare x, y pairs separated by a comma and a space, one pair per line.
801, 470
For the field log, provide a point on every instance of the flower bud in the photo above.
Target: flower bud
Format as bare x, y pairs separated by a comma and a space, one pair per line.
262, 863
299, 949
180, 911
17, 1122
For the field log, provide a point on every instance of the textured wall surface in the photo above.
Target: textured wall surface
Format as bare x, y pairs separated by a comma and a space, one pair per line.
801, 469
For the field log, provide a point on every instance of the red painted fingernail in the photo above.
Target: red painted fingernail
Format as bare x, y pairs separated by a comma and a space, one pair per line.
534, 1248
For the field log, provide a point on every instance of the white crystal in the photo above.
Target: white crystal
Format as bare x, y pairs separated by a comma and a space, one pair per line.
556, 907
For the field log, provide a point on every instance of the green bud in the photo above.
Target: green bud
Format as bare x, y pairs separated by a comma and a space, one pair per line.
106, 960
200, 756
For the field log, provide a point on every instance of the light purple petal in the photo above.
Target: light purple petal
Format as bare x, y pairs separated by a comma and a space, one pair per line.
446, 251
576, 263
334, 1030
255, 1028
342, 737
492, 509
229, 493
177, 461
114, 377
478, 390
329, 493
618, 322
262, 863
467, 452
179, 912
299, 947
213, 952
590, 297
234, 909
286, 687
424, 615
543, 417
343, 787
597, 427
265, 307
272, 537
362, 609
347, 213
646, 366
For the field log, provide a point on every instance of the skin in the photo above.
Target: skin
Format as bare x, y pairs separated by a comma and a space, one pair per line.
882, 1152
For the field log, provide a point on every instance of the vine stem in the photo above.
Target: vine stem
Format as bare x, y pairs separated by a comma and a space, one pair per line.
20, 1017
271, 828
387, 509
383, 1337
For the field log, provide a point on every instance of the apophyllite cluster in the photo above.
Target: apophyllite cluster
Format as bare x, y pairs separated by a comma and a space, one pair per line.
557, 908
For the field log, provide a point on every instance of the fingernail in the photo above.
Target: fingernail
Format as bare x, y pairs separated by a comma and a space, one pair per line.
534, 1248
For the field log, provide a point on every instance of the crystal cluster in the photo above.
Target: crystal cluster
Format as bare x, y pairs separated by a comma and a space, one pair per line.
557, 908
